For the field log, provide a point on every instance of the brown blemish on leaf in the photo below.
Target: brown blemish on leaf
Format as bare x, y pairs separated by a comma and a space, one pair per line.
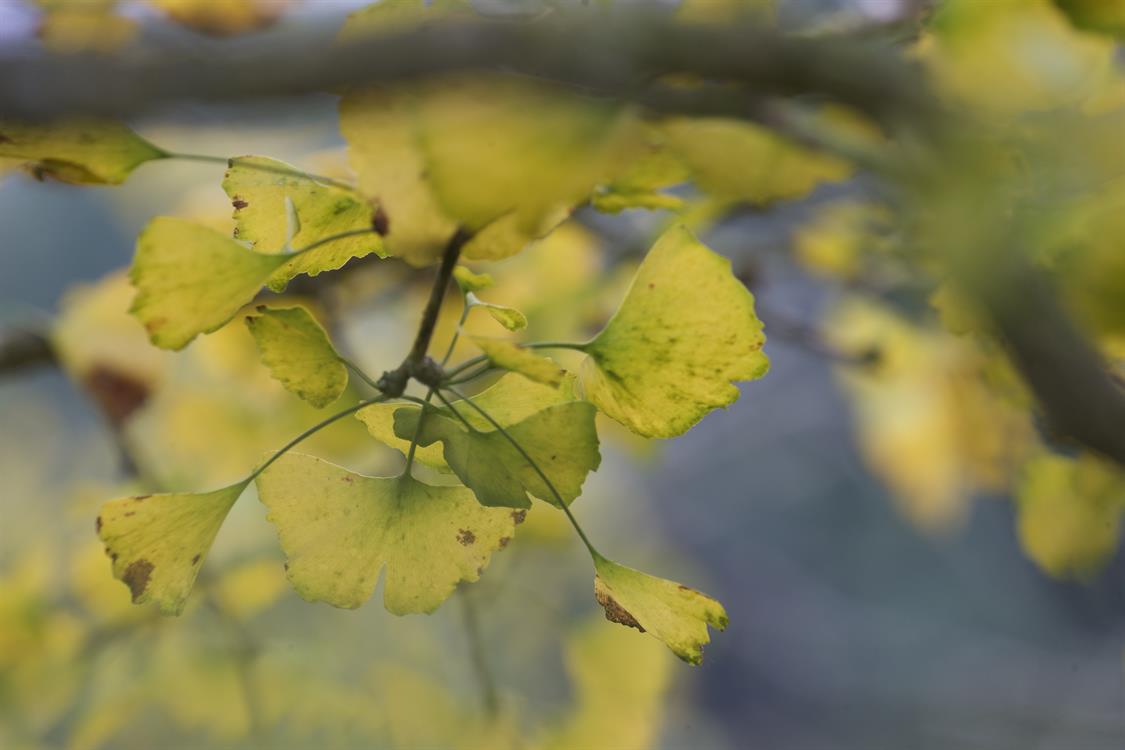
140, 498
136, 577
195, 560
347, 479
98, 524
5, 139
504, 541
238, 203
518, 516
154, 325
380, 222
466, 537
119, 395
614, 612
130, 513
112, 556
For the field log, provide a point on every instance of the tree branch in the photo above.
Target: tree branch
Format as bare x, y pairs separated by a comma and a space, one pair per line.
618, 57
24, 349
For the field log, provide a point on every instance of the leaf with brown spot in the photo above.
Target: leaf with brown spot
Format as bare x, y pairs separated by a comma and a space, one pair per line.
339, 535
157, 541
669, 611
259, 189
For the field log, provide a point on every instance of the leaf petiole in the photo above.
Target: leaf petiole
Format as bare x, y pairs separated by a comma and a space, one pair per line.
230, 162
310, 432
579, 347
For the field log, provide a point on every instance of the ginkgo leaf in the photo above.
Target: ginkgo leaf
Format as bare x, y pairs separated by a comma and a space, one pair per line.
1070, 513
468, 281
685, 331
379, 127
619, 683
222, 17
80, 151
258, 188
561, 439
739, 161
158, 542
510, 400
669, 611
499, 145
339, 529
509, 317
509, 356
191, 279
298, 353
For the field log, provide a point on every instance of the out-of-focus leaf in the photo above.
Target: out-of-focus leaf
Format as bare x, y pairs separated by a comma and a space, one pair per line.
223, 17
1070, 513
79, 151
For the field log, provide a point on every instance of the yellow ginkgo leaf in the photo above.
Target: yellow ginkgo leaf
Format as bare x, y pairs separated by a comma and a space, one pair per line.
1070, 513
259, 188
79, 151
670, 612
684, 333
379, 127
736, 161
298, 353
191, 280
340, 529
619, 684
510, 356
223, 17
157, 542
500, 145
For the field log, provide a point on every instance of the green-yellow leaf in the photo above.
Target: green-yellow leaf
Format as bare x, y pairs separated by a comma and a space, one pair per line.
509, 317
158, 542
512, 399
561, 439
258, 188
669, 611
509, 356
339, 530
500, 145
468, 281
736, 161
298, 353
1099, 15
191, 279
80, 151
684, 333
1070, 513
379, 128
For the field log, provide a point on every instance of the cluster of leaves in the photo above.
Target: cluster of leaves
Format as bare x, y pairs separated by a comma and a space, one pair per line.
478, 167
472, 167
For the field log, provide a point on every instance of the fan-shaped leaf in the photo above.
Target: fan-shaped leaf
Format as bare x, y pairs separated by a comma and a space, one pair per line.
685, 331
339, 529
80, 151
298, 353
158, 542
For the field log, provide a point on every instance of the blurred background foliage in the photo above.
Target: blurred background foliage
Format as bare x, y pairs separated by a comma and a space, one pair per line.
910, 557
